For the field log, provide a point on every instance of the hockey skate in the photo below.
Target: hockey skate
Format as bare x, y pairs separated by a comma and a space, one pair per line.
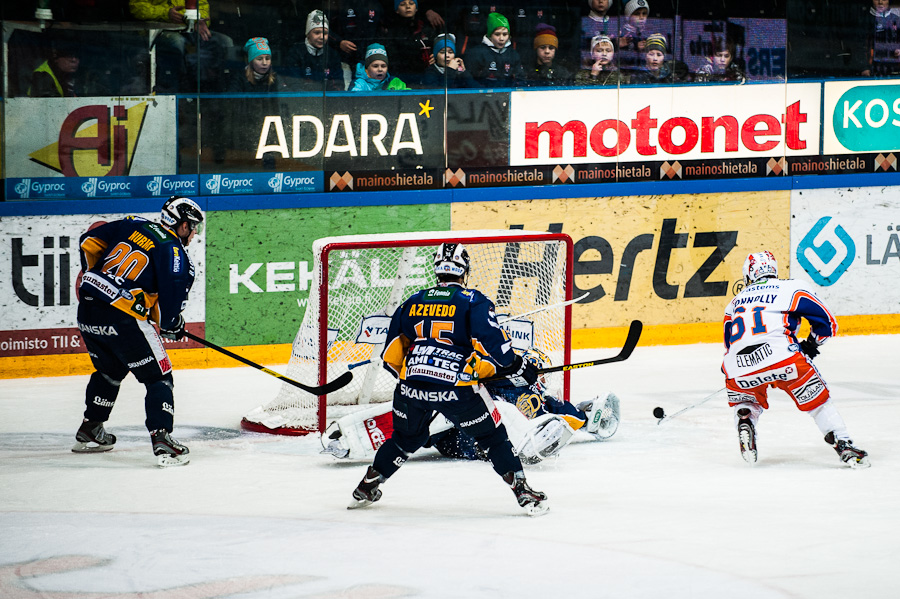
747, 436
852, 456
367, 492
602, 415
168, 451
92, 437
533, 502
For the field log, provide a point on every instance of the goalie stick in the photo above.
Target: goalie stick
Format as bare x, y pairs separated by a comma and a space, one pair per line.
325, 389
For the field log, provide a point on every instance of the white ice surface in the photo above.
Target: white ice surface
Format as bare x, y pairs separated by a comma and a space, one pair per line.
657, 511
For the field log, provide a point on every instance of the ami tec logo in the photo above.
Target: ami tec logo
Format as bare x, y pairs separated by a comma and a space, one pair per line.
95, 141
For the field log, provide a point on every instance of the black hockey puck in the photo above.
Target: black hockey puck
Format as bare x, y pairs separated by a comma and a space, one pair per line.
659, 413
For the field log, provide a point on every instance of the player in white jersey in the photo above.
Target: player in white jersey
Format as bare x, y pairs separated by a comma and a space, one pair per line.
762, 351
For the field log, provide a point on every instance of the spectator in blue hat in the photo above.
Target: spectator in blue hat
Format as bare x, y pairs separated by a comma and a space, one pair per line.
259, 75
373, 75
448, 69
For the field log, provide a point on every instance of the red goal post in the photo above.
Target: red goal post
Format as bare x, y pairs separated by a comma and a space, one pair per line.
358, 282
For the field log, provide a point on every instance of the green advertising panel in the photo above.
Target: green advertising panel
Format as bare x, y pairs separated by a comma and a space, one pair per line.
260, 262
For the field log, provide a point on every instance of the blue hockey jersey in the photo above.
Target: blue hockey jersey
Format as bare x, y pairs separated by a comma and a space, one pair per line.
446, 335
138, 266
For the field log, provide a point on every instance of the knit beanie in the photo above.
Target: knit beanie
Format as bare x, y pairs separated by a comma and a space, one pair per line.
633, 5
375, 52
601, 39
546, 36
657, 41
494, 21
444, 40
256, 46
397, 4
316, 19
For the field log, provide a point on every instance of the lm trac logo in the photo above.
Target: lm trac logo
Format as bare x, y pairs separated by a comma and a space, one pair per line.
826, 252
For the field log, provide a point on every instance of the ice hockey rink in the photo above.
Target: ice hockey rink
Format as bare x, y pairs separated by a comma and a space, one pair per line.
656, 511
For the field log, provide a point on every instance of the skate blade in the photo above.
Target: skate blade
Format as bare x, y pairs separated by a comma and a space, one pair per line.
749, 456
355, 504
859, 465
167, 461
537, 509
90, 447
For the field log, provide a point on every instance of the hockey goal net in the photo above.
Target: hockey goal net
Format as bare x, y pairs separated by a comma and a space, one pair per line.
358, 282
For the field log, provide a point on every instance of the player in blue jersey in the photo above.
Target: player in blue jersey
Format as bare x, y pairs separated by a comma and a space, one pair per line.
762, 351
135, 271
440, 343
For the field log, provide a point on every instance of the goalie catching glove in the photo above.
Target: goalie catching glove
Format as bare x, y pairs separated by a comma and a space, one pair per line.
521, 373
176, 332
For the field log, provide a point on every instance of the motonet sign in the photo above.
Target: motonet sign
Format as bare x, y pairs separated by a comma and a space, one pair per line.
649, 124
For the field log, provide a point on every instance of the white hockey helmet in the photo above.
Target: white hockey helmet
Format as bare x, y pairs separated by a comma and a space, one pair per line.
179, 210
451, 259
759, 266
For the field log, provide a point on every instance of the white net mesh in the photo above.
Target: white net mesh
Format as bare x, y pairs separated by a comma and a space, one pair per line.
368, 277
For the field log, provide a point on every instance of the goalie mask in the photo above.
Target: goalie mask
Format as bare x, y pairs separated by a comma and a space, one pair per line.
540, 360
760, 266
179, 210
451, 259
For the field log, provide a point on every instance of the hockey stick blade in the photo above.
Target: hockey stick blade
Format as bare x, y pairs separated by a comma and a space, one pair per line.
666, 417
631, 341
339, 382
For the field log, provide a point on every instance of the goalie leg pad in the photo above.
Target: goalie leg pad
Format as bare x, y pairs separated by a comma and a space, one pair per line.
548, 435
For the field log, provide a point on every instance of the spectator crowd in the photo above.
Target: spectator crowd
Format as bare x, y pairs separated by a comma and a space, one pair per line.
269, 46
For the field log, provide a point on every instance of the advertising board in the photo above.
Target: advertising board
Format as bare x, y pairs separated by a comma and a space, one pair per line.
260, 264
846, 242
664, 123
862, 116
90, 137
661, 259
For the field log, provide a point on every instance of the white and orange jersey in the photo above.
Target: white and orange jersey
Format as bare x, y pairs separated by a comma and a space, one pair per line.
761, 324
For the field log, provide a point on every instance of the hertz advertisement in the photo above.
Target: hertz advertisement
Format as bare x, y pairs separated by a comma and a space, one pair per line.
662, 259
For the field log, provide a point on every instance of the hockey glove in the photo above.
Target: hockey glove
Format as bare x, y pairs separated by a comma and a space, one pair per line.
176, 332
809, 347
522, 373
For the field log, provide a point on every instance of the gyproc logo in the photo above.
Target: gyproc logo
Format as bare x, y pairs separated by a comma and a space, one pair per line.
826, 252
214, 183
276, 182
155, 186
89, 187
23, 188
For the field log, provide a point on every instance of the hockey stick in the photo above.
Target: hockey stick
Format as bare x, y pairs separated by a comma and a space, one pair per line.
631, 341
325, 389
660, 414
542, 308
